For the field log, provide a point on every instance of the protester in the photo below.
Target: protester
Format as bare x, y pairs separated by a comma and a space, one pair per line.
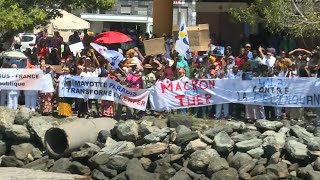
107, 107
65, 103
13, 95
46, 94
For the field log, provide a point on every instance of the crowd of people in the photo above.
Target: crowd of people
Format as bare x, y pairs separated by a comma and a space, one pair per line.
56, 60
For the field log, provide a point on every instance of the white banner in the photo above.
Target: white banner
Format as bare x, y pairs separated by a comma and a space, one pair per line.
114, 57
104, 89
280, 92
21, 79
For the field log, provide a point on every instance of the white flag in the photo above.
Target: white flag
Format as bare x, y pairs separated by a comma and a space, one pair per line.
114, 57
182, 42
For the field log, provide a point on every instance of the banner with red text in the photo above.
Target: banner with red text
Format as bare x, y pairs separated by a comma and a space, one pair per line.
277, 92
20, 79
104, 89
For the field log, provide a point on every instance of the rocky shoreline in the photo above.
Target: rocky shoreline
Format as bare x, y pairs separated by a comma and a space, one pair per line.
176, 148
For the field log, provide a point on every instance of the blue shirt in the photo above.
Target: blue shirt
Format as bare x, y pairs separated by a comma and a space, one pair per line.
250, 55
20, 63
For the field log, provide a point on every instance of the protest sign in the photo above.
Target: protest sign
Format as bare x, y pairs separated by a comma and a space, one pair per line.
105, 89
278, 92
154, 46
21, 79
199, 36
74, 48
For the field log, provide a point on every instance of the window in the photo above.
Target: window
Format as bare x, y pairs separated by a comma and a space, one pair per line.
143, 10
125, 10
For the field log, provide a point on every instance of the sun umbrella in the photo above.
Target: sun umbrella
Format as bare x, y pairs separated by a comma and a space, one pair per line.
111, 37
13, 54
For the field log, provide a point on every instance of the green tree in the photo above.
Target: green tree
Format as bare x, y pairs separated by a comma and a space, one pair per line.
21, 15
298, 18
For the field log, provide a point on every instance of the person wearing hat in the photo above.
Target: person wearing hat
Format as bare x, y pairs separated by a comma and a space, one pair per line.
148, 77
248, 50
182, 63
268, 59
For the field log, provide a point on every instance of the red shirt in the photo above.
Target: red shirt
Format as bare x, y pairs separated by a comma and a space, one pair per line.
240, 61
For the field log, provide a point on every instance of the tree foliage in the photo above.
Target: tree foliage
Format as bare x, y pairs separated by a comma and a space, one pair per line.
21, 15
298, 18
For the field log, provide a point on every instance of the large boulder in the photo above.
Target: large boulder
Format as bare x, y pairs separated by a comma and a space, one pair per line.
98, 175
248, 144
38, 127
128, 131
10, 161
185, 137
212, 132
165, 170
176, 120
217, 164
296, 149
21, 151
256, 153
268, 125
239, 160
199, 160
236, 125
223, 143
135, 171
273, 144
195, 145
229, 174
110, 173
78, 168
61, 166
280, 170
150, 149
245, 136
181, 175
18, 133
40, 164
6, 118
23, 115
118, 163
123, 148
157, 135
300, 132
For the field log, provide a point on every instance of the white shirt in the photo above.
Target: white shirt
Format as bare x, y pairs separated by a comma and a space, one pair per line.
95, 73
62, 82
269, 61
231, 75
47, 86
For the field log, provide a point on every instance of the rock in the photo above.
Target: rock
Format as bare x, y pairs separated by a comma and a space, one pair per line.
273, 144
61, 166
135, 171
247, 167
3, 148
245, 136
256, 153
206, 139
146, 162
78, 168
118, 163
236, 125
284, 130
268, 125
6, 118
176, 120
38, 126
181, 175
40, 164
174, 149
122, 148
91, 146
212, 132
258, 169
248, 144
23, 115
184, 138
199, 160
103, 135
300, 132
165, 171
264, 177
316, 132
195, 145
121, 176
229, 174
160, 123
223, 143
10, 161
313, 144
83, 154
267, 133
217, 164
239, 160
36, 153
296, 149
98, 175
275, 158
280, 170
18, 132
182, 129
316, 164
110, 173
313, 175
146, 129
128, 131
157, 136
302, 172
150, 149
21, 151
294, 167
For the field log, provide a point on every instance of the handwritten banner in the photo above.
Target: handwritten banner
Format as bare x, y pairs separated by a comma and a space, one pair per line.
280, 92
21, 79
104, 89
